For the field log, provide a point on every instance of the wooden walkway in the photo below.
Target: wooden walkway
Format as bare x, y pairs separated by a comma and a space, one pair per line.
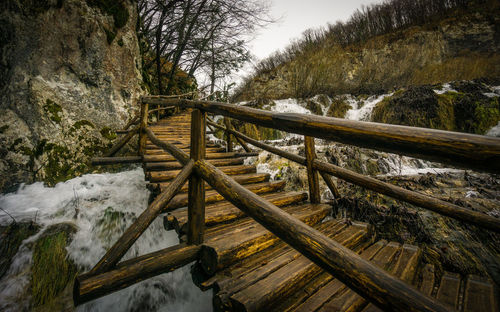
250, 269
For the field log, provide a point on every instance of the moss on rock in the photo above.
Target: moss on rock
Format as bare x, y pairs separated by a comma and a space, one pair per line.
52, 270
108, 133
338, 108
54, 110
11, 238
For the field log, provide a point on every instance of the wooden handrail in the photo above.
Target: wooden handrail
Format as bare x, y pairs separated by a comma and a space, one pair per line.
421, 200
133, 271
368, 280
124, 140
459, 149
118, 250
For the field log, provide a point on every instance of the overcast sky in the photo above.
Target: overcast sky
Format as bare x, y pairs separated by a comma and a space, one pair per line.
295, 16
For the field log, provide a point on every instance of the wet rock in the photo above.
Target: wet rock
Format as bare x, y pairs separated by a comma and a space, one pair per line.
11, 238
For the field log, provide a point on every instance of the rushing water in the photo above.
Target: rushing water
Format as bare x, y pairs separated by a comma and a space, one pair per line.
101, 206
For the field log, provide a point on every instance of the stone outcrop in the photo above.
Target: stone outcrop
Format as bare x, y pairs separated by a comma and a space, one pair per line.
69, 73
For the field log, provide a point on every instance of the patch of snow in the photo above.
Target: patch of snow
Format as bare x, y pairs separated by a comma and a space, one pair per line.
471, 194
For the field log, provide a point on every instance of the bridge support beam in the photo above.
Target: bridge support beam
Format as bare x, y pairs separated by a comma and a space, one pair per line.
312, 174
196, 189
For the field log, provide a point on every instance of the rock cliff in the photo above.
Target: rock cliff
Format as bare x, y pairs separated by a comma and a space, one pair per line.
69, 73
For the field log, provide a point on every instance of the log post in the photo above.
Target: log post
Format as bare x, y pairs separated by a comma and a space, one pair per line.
124, 140
312, 174
329, 182
196, 189
142, 129
228, 134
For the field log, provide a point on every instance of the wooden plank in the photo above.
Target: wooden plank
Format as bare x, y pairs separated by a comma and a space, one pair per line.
460, 149
247, 178
290, 277
229, 247
405, 269
479, 295
163, 166
118, 250
323, 295
428, 279
350, 300
227, 212
164, 176
365, 278
449, 289
312, 175
100, 161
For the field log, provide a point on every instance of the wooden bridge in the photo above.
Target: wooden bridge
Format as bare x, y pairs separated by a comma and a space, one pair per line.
261, 248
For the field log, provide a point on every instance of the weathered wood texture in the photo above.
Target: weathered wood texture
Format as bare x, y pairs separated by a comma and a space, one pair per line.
132, 271
460, 149
143, 125
312, 174
173, 150
118, 250
196, 191
388, 189
100, 161
121, 143
366, 279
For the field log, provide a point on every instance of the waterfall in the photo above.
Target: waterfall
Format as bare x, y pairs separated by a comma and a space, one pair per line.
101, 206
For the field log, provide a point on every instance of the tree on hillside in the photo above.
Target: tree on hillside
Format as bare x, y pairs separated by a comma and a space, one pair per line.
208, 36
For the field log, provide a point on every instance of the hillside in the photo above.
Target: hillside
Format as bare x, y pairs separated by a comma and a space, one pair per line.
462, 44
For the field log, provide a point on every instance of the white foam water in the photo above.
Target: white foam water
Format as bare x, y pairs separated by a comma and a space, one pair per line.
101, 206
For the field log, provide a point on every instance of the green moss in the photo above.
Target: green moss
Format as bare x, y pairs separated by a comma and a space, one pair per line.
111, 222
54, 110
52, 271
338, 108
113, 8
83, 123
110, 35
417, 107
12, 237
108, 133
3, 128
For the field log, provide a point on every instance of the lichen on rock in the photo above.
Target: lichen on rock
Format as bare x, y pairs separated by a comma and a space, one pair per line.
62, 86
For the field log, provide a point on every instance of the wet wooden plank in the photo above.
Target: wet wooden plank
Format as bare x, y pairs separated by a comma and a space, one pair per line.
449, 289
479, 295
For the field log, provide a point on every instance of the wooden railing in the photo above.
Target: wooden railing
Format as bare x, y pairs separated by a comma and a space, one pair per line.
373, 283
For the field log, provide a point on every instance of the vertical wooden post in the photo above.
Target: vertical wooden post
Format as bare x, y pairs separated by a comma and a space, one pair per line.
227, 123
196, 189
312, 175
142, 129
